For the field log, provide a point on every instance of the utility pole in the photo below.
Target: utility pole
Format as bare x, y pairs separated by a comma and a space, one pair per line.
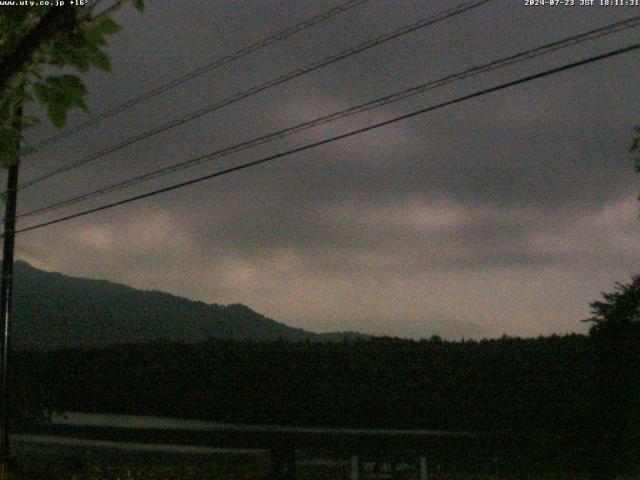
6, 294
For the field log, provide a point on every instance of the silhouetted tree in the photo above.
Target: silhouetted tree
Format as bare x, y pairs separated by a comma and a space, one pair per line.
616, 334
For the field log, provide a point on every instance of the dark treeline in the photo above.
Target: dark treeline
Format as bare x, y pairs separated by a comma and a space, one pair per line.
548, 385
507, 384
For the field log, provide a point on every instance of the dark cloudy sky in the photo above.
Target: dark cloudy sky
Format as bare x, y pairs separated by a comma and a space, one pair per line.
505, 214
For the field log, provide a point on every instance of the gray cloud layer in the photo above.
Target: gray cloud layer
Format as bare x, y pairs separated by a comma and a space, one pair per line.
505, 214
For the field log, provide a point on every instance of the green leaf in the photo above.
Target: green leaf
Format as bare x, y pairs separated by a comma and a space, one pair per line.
107, 26
78, 57
101, 60
72, 83
94, 35
61, 94
57, 113
635, 145
95, 38
139, 5
82, 63
42, 92
79, 102
77, 54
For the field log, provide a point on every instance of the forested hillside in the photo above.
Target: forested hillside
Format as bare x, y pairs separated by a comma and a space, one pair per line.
58, 311
507, 384
557, 388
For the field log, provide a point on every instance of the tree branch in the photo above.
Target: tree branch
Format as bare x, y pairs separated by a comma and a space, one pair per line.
109, 10
55, 21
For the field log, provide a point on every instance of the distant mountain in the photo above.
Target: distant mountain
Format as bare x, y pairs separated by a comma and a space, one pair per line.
56, 311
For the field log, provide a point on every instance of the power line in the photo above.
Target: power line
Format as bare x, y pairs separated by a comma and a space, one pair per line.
279, 36
407, 93
335, 138
265, 86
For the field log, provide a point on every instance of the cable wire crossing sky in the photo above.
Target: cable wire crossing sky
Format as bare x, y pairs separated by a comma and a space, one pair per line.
394, 97
506, 209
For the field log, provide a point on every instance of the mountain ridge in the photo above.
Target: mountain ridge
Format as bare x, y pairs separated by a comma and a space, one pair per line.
53, 310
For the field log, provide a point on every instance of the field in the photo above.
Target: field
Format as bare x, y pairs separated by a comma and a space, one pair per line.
227, 469
64, 461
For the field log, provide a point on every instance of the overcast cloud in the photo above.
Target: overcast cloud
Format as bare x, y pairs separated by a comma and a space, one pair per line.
505, 214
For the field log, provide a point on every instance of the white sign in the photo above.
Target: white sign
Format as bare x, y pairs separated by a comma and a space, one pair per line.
384, 469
